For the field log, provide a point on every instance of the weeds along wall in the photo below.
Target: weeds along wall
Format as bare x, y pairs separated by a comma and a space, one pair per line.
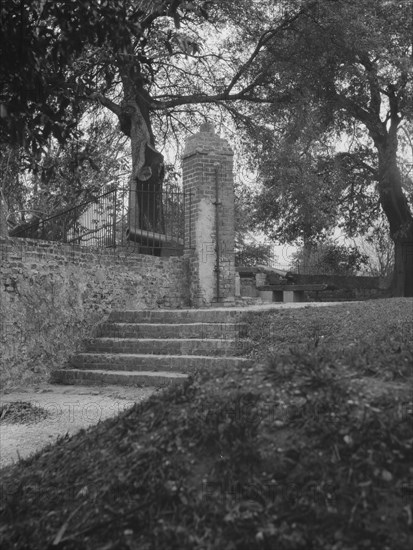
52, 296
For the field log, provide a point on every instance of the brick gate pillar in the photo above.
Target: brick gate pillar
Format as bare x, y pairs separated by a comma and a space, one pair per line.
209, 224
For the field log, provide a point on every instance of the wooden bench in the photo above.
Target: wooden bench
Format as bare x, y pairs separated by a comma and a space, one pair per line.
287, 292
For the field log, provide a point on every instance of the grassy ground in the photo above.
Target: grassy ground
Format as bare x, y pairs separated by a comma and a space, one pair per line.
311, 448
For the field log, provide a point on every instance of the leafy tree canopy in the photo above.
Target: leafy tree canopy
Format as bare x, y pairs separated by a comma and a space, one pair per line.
296, 72
329, 258
347, 66
149, 56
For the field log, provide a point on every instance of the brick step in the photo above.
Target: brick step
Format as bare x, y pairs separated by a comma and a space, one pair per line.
172, 330
169, 346
182, 316
143, 362
124, 378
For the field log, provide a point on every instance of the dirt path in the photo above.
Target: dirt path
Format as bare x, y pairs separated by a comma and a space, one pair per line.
71, 408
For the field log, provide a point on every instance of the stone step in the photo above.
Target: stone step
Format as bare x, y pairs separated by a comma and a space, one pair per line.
244, 301
143, 362
172, 330
159, 347
182, 316
169, 346
124, 378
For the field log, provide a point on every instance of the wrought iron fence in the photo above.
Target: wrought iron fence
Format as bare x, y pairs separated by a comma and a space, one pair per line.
151, 221
156, 219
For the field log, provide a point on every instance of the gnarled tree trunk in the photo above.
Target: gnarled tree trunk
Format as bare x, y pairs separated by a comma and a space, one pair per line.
402, 284
145, 198
3, 217
397, 210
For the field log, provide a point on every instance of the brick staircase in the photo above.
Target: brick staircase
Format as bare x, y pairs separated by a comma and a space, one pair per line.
157, 347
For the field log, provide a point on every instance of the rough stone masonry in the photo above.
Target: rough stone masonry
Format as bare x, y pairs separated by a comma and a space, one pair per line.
52, 295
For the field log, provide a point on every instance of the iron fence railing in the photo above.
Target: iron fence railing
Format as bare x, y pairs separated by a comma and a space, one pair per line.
151, 220
156, 219
89, 223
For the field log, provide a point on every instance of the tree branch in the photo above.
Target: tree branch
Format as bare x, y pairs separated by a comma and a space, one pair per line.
372, 77
372, 123
360, 162
224, 96
266, 37
394, 105
106, 102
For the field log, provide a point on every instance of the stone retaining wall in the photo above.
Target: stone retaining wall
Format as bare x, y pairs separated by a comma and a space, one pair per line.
347, 288
347, 294
52, 295
355, 282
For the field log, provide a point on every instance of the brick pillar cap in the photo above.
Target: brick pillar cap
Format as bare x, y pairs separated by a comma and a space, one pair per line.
207, 127
205, 142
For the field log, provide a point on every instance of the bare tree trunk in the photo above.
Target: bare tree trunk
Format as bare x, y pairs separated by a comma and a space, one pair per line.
402, 284
145, 207
7, 155
397, 210
3, 217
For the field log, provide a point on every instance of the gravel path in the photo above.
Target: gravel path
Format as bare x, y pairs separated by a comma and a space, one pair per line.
71, 408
